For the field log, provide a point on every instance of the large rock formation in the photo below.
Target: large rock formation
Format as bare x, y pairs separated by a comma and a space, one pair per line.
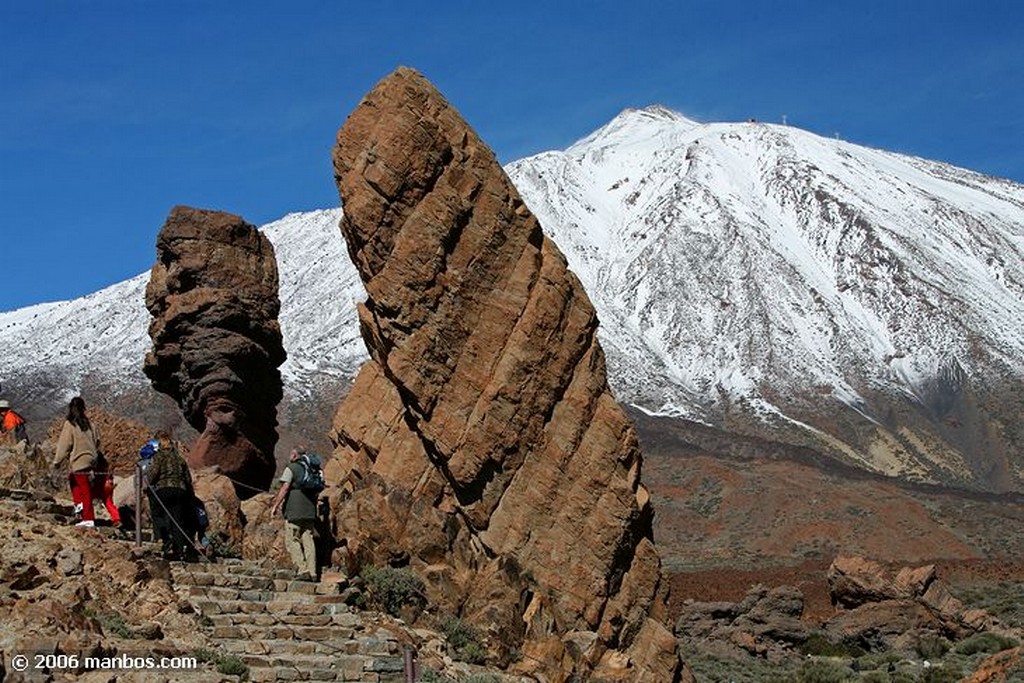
481, 444
889, 608
216, 339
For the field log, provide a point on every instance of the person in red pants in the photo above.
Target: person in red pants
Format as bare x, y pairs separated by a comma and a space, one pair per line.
80, 443
103, 487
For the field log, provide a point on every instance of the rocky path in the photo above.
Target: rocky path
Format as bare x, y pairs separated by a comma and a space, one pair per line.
286, 630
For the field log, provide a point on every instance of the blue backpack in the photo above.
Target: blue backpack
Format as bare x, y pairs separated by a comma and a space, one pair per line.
312, 478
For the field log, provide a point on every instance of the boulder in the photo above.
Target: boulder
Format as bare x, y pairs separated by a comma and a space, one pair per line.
482, 435
264, 534
887, 607
223, 507
767, 623
855, 581
217, 346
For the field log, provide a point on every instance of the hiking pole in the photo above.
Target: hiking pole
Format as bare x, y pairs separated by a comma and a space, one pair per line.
138, 505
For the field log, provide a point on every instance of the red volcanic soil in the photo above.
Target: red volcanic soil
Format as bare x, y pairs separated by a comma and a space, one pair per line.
730, 585
725, 522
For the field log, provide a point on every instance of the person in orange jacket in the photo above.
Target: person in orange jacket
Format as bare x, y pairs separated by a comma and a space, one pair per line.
12, 425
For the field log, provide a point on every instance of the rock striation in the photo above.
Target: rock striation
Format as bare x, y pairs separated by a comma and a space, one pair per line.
216, 340
481, 445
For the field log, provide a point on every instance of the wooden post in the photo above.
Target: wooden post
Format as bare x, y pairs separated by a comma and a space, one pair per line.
410, 665
138, 505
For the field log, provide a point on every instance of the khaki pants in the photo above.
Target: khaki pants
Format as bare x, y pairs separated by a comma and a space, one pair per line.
298, 540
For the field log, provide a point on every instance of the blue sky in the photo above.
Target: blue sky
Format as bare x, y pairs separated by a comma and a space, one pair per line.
113, 112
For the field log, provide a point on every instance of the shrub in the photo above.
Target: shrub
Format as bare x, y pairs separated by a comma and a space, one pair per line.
949, 673
472, 653
429, 675
111, 623
989, 643
931, 647
458, 632
824, 671
393, 589
817, 645
232, 666
464, 639
229, 665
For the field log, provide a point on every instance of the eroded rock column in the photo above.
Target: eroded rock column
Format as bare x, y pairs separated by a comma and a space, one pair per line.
213, 295
481, 445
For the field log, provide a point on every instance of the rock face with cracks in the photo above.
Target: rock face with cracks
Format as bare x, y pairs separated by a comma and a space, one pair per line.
481, 445
213, 295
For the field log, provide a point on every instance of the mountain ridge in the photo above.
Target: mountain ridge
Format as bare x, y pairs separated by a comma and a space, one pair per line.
750, 276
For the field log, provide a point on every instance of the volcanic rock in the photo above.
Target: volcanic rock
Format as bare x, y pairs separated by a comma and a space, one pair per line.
480, 444
889, 607
855, 581
766, 623
216, 339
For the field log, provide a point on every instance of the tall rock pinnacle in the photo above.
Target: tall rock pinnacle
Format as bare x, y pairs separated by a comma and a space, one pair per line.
481, 445
216, 340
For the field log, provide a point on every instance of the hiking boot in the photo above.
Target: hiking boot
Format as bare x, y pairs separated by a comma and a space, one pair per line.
86, 523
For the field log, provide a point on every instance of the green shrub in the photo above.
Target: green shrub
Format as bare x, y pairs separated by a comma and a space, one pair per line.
817, 645
232, 666
472, 653
111, 623
204, 655
458, 632
464, 640
824, 671
875, 677
429, 675
931, 647
945, 673
393, 589
989, 643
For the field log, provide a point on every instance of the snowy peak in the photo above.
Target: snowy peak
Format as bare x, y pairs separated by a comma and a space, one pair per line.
757, 278
764, 271
655, 121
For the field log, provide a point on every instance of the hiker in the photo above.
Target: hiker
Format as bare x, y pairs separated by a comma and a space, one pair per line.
169, 482
301, 483
12, 426
123, 497
103, 487
203, 543
79, 441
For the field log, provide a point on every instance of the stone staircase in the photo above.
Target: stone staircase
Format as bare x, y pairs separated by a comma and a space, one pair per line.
286, 630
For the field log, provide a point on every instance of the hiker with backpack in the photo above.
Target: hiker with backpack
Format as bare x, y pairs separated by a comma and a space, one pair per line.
169, 484
301, 483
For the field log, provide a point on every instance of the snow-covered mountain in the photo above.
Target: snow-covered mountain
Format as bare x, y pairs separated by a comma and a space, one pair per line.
763, 278
753, 277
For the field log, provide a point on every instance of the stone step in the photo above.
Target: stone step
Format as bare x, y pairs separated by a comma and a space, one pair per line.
306, 668
199, 575
321, 604
227, 593
285, 647
279, 631
232, 565
343, 619
282, 588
